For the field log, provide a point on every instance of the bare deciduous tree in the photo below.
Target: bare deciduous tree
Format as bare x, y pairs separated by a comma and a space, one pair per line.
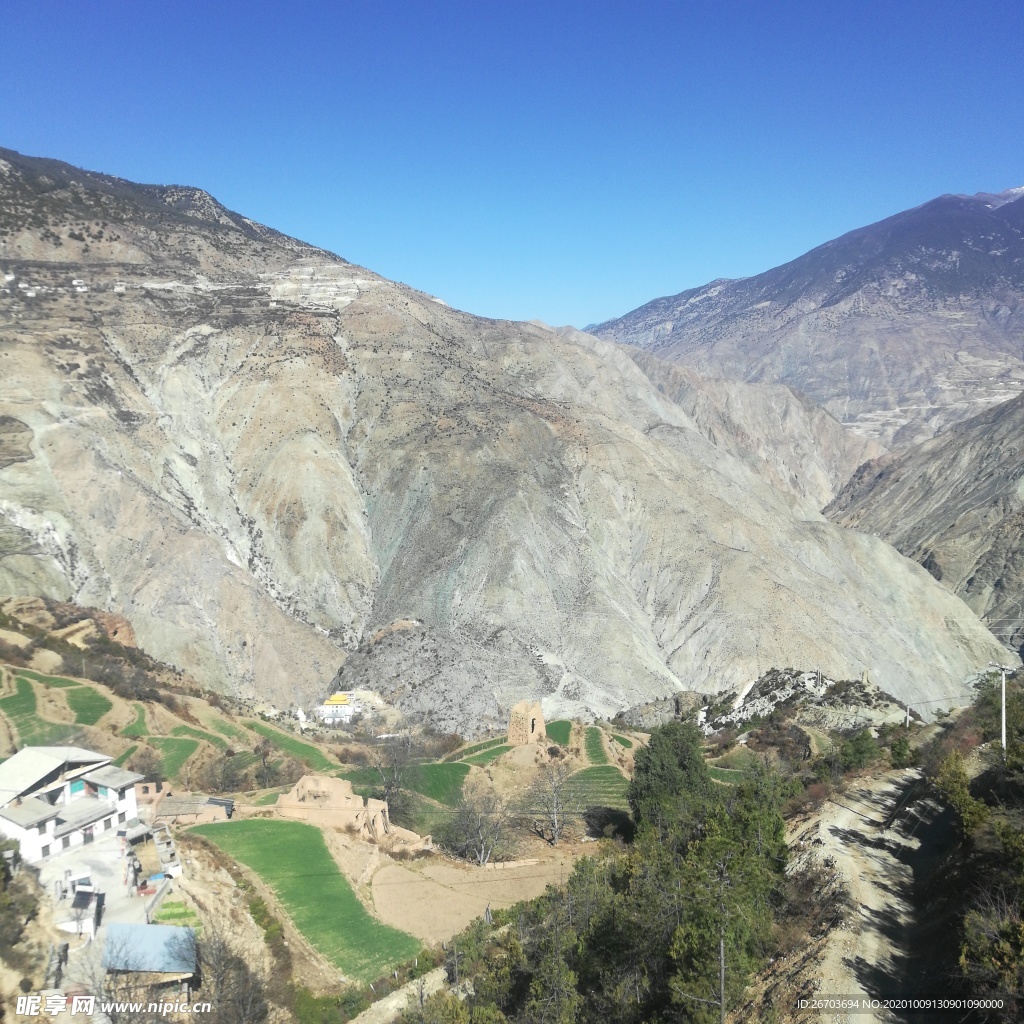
552, 803
481, 827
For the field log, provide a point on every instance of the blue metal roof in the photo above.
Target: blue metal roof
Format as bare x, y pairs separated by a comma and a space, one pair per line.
160, 948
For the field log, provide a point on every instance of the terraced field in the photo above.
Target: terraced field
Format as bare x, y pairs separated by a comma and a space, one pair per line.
21, 710
138, 727
293, 860
58, 681
476, 748
623, 741
122, 759
485, 757
89, 705
595, 746
441, 782
559, 731
306, 752
603, 786
199, 734
174, 752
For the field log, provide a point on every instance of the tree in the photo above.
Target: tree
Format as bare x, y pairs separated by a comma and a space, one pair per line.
552, 803
265, 772
148, 763
481, 826
671, 780
391, 761
222, 775
951, 781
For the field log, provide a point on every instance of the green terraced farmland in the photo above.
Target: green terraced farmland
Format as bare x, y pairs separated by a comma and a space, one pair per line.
622, 741
122, 759
313, 756
47, 680
269, 798
227, 729
138, 728
293, 860
175, 912
88, 705
729, 775
487, 756
198, 734
174, 752
602, 786
595, 746
20, 710
559, 731
440, 782
461, 755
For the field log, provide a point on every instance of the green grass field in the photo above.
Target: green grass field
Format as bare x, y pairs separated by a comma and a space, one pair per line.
441, 782
199, 734
88, 704
122, 759
21, 711
293, 860
602, 786
313, 756
622, 741
232, 732
595, 746
270, 798
487, 756
174, 752
559, 731
465, 752
175, 912
138, 728
47, 680
729, 775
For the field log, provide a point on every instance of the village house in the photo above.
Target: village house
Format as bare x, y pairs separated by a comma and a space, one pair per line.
54, 798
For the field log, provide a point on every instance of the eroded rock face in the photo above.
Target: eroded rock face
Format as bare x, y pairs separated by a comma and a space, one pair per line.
272, 462
956, 505
897, 329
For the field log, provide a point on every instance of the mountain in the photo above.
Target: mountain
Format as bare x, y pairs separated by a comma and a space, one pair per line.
955, 504
274, 463
897, 329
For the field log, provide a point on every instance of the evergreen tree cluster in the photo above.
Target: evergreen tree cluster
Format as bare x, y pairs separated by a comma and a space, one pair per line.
639, 935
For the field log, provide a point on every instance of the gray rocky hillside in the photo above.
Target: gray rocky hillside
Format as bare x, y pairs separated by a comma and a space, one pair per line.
274, 463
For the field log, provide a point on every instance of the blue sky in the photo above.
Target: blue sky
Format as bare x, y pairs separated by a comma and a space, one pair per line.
564, 161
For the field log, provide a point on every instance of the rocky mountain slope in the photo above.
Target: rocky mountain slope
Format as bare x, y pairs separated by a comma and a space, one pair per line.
896, 329
955, 504
272, 462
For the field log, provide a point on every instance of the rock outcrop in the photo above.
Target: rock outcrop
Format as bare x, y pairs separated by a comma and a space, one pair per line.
955, 504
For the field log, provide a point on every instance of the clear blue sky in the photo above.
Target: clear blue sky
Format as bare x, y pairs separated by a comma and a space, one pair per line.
565, 161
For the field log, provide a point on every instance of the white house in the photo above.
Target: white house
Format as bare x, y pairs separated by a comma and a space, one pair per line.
53, 798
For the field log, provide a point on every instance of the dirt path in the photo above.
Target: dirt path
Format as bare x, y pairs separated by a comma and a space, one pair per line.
880, 833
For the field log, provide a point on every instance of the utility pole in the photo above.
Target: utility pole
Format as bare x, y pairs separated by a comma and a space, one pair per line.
1003, 669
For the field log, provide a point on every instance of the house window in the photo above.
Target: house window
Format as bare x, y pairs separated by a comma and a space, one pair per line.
42, 828
65, 842
107, 822
145, 789
121, 817
77, 787
46, 851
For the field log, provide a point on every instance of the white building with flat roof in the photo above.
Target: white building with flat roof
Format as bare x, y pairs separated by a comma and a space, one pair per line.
54, 798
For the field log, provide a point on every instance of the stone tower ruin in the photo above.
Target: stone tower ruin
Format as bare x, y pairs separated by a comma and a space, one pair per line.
526, 724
